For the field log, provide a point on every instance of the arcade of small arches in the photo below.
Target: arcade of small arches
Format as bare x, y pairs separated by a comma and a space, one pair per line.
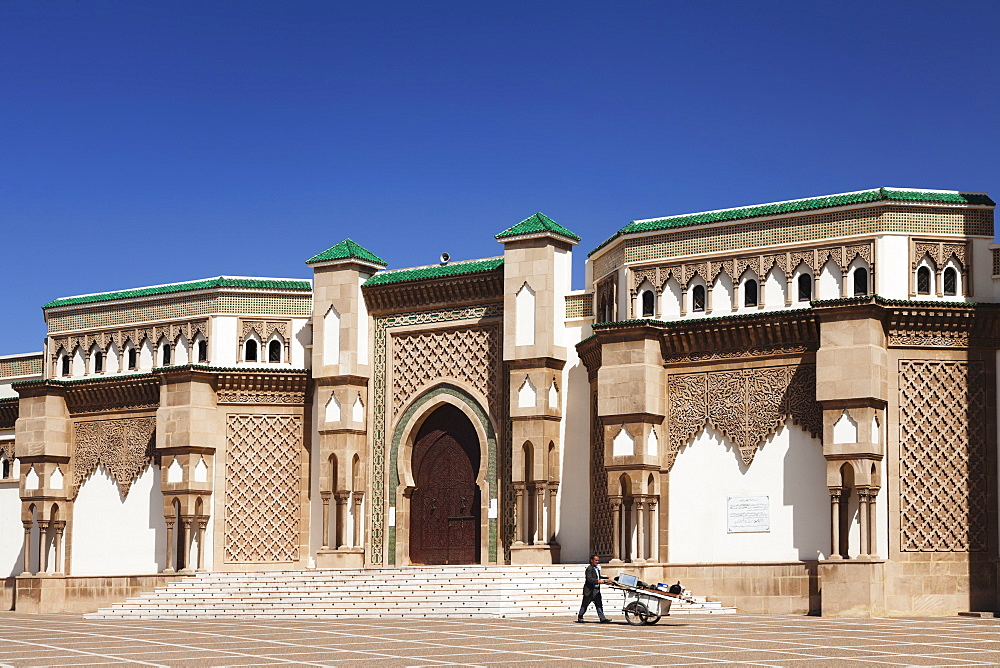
343, 528
131, 356
749, 292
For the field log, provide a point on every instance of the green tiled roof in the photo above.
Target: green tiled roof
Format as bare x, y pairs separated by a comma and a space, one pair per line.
204, 284
537, 223
435, 271
346, 250
793, 206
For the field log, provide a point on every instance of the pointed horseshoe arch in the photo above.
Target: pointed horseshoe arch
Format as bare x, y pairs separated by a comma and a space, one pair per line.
402, 480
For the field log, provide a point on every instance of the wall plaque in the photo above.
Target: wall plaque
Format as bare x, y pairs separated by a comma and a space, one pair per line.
749, 514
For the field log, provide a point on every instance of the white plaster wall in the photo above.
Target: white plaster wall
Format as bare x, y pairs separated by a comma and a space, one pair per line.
623, 295
562, 283
670, 301
829, 281
112, 536
774, 290
982, 271
573, 521
722, 296
301, 337
524, 316
892, 266
224, 341
789, 468
363, 322
11, 531
6, 390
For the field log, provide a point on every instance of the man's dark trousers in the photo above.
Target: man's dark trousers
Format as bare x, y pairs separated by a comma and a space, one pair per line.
592, 594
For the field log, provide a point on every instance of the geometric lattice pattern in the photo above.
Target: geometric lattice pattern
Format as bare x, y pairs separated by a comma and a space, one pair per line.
263, 473
469, 354
943, 456
600, 505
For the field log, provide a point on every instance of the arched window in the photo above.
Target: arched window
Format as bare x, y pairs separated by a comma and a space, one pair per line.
698, 298
860, 281
647, 303
923, 281
250, 351
274, 351
4, 467
64, 370
98, 362
750, 293
133, 358
950, 281
203, 351
166, 354
805, 287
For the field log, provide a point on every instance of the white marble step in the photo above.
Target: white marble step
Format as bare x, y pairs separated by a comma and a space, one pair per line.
437, 591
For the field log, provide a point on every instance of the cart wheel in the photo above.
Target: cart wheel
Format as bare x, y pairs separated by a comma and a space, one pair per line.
653, 619
636, 614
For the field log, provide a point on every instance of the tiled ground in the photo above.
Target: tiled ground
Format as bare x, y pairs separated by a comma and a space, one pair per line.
731, 640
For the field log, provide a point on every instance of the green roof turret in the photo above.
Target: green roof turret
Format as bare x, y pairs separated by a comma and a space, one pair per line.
347, 250
537, 224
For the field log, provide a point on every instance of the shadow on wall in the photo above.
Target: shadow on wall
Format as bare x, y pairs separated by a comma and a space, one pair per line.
574, 487
804, 490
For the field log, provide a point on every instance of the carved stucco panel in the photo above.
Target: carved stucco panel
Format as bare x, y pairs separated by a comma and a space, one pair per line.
123, 447
746, 406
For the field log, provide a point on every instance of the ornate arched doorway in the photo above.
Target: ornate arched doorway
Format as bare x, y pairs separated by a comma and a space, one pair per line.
445, 506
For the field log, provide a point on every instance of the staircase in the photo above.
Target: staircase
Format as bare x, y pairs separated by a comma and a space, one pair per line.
424, 591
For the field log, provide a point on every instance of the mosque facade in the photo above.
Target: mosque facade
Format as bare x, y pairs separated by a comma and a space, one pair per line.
790, 407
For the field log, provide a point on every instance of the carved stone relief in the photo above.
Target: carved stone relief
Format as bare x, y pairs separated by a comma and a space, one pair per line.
263, 497
760, 265
943, 456
746, 406
469, 354
123, 447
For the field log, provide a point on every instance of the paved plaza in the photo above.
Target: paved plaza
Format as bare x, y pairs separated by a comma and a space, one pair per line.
731, 640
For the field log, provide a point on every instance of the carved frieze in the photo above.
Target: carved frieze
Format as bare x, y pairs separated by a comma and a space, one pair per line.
117, 393
171, 331
124, 447
262, 388
747, 406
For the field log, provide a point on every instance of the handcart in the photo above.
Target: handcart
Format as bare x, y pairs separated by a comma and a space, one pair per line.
643, 606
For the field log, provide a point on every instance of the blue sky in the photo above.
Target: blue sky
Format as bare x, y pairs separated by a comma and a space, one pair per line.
147, 143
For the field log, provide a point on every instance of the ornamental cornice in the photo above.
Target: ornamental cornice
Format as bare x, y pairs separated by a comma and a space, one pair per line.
119, 393
262, 388
452, 291
8, 413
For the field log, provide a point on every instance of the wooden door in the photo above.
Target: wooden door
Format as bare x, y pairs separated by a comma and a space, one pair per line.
444, 508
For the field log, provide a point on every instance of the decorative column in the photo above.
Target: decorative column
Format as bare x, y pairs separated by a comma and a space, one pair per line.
540, 537
708, 297
59, 526
202, 523
358, 519
788, 287
43, 546
863, 513
27, 545
872, 526
326, 519
170, 545
835, 522
341, 516
553, 488
640, 520
520, 526
654, 530
186, 520
684, 300
616, 528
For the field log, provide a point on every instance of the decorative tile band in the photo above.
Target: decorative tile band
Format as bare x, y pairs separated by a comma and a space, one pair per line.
771, 232
114, 315
25, 365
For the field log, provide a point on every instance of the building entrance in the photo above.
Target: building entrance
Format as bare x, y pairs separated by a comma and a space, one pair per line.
445, 506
